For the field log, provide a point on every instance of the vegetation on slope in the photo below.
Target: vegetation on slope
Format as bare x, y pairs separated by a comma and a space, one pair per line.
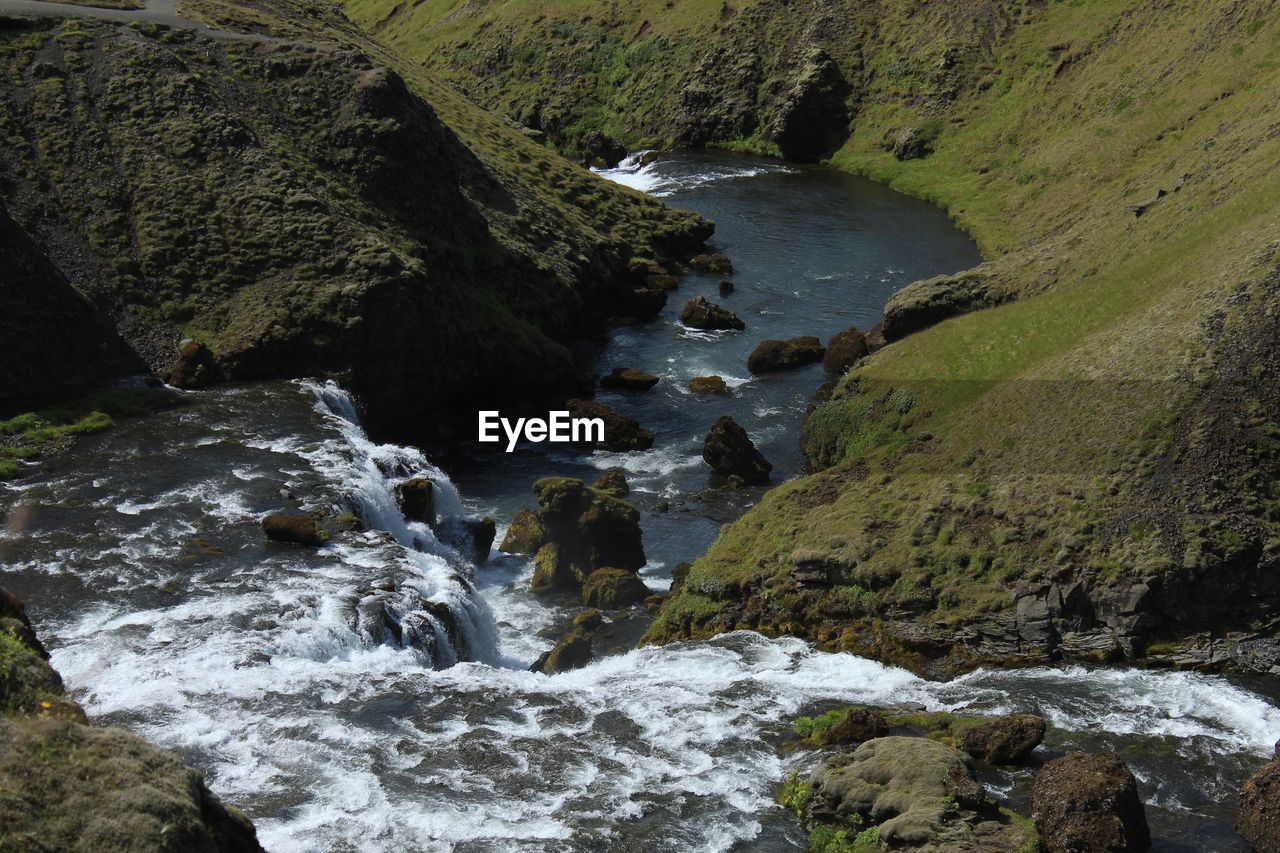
1086, 468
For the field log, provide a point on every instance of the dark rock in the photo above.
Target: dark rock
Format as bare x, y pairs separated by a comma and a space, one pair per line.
662, 282
600, 149
417, 500
875, 337
586, 530
1005, 740
613, 482
610, 589
965, 790
295, 529
1258, 817
630, 379
653, 604
699, 313
708, 385
525, 535
480, 534
857, 725
1089, 804
13, 614
924, 303
811, 118
194, 367
729, 451
844, 350
588, 620
769, 356
725, 287
620, 431
572, 652
713, 263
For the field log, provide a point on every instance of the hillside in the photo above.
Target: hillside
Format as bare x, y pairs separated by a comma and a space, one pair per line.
1085, 469
287, 192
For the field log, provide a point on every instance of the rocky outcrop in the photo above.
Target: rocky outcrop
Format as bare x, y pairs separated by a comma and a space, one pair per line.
725, 287
925, 303
1258, 816
708, 385
294, 529
1004, 740
1089, 804
714, 263
731, 452
525, 536
610, 589
699, 313
195, 367
856, 725
613, 482
771, 355
844, 350
810, 119
621, 432
574, 650
629, 379
585, 530
478, 536
68, 786
915, 792
417, 500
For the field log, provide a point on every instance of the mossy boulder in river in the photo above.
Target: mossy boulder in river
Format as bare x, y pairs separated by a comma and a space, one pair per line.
1004, 740
585, 529
769, 356
613, 482
1087, 803
701, 313
610, 589
525, 535
294, 529
844, 350
730, 451
417, 499
709, 385
1258, 818
629, 379
621, 432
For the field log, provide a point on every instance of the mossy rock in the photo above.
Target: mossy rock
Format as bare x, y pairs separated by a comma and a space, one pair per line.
610, 589
525, 535
708, 385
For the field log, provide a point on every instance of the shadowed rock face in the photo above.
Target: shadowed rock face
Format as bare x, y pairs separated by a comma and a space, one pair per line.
1258, 818
584, 530
1089, 804
731, 452
69, 786
1005, 740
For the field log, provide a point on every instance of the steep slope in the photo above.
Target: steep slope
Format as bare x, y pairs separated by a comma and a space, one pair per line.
1085, 469
304, 202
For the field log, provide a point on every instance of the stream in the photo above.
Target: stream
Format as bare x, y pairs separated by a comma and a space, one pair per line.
325, 695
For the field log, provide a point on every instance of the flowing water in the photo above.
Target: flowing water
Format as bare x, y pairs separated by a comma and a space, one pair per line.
372, 695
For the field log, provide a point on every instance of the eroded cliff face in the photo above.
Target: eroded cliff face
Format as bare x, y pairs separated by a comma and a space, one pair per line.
1061, 453
304, 206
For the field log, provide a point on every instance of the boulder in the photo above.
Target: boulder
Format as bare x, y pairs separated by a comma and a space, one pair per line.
629, 379
708, 385
610, 589
924, 303
729, 451
195, 366
525, 535
588, 620
875, 337
1258, 817
598, 149
785, 355
572, 652
295, 529
613, 482
1005, 740
717, 262
621, 433
417, 500
1089, 804
856, 726
809, 119
700, 313
586, 529
480, 533
844, 350
725, 287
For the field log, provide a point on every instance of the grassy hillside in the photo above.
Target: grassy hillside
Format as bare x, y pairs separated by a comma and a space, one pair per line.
1085, 470
303, 201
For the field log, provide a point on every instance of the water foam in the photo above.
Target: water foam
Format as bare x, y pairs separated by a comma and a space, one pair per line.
644, 171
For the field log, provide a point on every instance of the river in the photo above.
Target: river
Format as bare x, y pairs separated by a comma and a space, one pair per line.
325, 697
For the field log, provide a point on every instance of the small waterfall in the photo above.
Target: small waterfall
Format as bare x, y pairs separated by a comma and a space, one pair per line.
429, 602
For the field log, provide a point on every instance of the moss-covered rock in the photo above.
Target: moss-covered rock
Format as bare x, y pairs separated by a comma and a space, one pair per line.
1258, 816
613, 482
731, 452
700, 313
610, 589
1089, 803
621, 432
770, 356
709, 385
525, 535
629, 379
586, 529
1008, 739
294, 529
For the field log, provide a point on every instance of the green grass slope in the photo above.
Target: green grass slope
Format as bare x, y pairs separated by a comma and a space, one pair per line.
1084, 471
304, 202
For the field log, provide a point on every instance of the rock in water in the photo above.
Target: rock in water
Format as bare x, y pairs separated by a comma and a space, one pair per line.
525, 535
1005, 740
621, 432
717, 262
610, 589
700, 313
613, 482
784, 355
729, 451
844, 350
417, 500
295, 529
586, 530
480, 535
574, 649
1258, 818
856, 726
708, 385
629, 379
725, 287
194, 367
1089, 804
